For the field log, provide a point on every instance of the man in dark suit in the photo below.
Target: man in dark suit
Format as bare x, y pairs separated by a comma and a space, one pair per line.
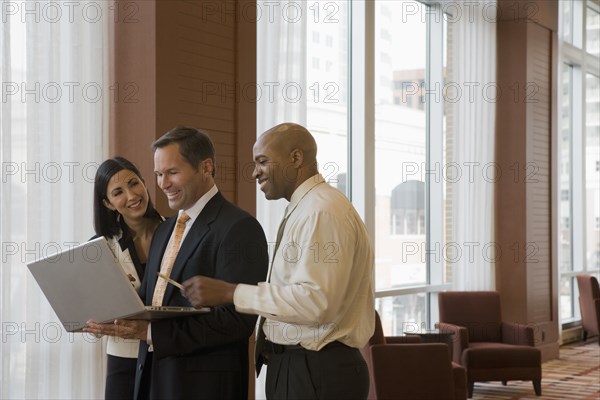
206, 356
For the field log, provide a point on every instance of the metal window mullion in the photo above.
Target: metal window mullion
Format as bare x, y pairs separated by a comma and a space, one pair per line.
592, 64
362, 111
429, 289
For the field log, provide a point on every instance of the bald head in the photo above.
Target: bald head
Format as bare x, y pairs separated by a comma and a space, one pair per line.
289, 136
285, 156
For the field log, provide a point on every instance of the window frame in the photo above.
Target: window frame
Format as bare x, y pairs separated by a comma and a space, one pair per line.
574, 54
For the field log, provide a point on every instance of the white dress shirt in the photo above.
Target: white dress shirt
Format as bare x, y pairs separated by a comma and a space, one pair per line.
195, 210
321, 279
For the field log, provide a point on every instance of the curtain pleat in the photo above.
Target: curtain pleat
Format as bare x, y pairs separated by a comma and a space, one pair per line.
472, 199
52, 138
282, 52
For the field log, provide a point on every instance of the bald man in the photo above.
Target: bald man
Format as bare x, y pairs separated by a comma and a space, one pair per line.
318, 302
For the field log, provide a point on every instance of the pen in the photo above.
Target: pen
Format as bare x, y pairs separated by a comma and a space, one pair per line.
171, 281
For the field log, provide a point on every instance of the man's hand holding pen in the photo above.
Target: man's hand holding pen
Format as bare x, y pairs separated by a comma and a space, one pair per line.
202, 291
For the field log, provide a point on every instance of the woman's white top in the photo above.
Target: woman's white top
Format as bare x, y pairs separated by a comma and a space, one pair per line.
127, 348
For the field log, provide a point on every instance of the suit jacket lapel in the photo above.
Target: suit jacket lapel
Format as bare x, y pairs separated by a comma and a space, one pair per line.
193, 238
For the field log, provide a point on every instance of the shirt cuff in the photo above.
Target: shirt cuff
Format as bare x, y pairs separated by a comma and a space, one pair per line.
250, 299
243, 298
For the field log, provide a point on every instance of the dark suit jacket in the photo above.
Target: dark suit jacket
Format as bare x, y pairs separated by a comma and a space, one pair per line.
204, 356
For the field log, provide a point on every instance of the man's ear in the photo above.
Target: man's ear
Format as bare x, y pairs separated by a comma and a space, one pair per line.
108, 205
207, 166
297, 157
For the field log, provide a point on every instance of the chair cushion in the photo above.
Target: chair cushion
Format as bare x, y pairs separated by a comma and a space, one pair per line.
497, 355
479, 312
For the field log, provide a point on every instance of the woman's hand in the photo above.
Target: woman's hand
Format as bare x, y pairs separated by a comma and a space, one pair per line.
125, 329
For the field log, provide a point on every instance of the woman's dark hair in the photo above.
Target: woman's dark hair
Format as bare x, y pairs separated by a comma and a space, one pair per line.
106, 221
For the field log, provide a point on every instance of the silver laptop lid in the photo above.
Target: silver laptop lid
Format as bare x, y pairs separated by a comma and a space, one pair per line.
86, 282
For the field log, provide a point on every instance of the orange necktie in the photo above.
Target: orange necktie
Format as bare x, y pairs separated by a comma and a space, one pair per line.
169, 259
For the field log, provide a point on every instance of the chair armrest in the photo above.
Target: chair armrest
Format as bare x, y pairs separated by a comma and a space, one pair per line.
460, 381
519, 334
596, 311
402, 339
460, 339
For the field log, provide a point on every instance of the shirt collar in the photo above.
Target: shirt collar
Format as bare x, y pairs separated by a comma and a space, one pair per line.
302, 190
199, 205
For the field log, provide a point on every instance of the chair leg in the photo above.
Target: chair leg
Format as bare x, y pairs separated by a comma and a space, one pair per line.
537, 386
470, 386
503, 383
585, 336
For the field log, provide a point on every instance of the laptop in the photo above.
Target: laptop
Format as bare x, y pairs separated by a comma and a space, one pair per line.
87, 283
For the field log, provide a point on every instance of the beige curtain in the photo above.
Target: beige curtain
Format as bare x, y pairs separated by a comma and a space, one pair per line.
281, 55
470, 145
52, 138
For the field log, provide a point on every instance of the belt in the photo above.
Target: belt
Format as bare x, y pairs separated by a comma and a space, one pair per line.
276, 348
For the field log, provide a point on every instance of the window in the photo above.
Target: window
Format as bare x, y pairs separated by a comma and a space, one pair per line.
319, 74
578, 150
567, 19
386, 58
592, 35
592, 158
316, 63
329, 41
385, 35
404, 119
565, 251
407, 208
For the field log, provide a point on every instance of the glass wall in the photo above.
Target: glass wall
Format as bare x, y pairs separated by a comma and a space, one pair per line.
309, 51
578, 150
565, 232
406, 33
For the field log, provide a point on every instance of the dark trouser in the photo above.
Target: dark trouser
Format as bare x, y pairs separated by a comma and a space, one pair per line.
120, 378
335, 372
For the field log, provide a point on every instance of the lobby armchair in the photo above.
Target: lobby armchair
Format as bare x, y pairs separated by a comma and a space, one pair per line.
403, 367
489, 348
589, 304
412, 371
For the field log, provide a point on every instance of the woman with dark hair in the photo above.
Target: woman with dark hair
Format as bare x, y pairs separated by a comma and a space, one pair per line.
125, 216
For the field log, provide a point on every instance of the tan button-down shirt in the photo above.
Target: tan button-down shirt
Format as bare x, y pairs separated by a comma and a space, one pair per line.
321, 287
